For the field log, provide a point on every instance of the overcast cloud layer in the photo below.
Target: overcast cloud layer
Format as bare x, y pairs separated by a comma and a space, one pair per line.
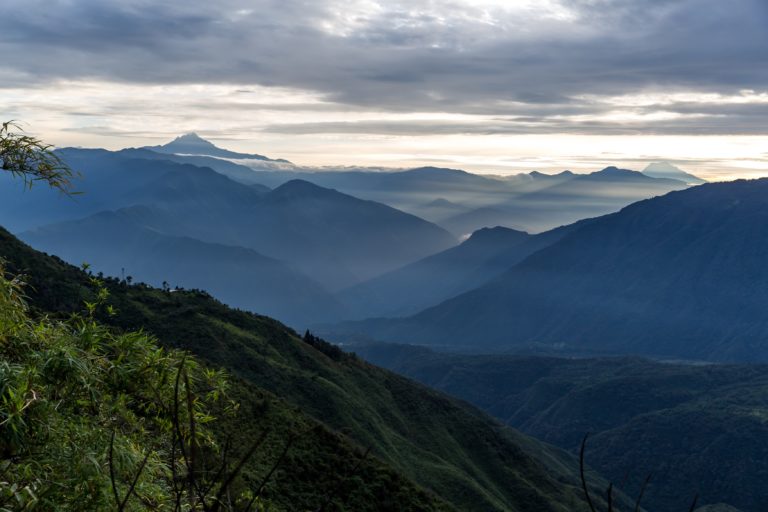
579, 67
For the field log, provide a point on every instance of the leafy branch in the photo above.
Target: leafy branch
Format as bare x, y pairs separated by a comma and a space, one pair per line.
33, 160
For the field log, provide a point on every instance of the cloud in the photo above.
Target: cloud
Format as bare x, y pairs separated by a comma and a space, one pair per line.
386, 68
410, 55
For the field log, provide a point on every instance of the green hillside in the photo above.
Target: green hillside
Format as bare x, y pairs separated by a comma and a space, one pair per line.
696, 428
445, 446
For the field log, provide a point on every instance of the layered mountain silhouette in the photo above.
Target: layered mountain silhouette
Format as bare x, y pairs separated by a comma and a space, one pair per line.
486, 254
678, 276
533, 202
118, 244
336, 239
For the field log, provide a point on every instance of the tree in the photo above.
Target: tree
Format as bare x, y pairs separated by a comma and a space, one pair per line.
32, 160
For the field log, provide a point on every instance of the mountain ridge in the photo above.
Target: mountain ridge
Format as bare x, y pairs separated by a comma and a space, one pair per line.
671, 276
194, 145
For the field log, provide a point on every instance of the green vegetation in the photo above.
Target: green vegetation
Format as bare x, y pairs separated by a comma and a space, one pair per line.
93, 420
697, 429
32, 160
83, 407
445, 446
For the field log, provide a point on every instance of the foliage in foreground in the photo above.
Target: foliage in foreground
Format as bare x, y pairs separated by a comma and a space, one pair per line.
93, 420
32, 160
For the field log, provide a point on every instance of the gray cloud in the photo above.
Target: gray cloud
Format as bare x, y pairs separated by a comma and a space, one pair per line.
419, 55
752, 124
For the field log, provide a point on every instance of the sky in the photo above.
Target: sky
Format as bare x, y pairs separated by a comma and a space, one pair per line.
484, 85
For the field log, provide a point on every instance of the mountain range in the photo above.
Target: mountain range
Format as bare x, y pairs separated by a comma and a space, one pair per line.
532, 202
679, 276
316, 236
487, 253
196, 196
477, 201
118, 242
428, 451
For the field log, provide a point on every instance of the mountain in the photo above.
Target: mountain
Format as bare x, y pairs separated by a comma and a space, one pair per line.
567, 199
431, 280
335, 238
696, 428
533, 202
444, 445
680, 276
409, 190
117, 243
107, 180
236, 172
667, 170
104, 180
326, 233
470, 221
538, 202
486, 254
193, 144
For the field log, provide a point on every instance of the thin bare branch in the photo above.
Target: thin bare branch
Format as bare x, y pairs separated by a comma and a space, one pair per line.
110, 460
582, 475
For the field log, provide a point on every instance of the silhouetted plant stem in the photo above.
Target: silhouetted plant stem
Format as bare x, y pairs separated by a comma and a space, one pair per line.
695, 501
582, 475
642, 492
233, 474
135, 481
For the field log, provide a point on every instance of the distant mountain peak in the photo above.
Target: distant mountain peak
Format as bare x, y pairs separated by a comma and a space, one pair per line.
431, 170
612, 169
191, 137
543, 175
193, 144
668, 170
616, 173
190, 142
496, 233
302, 189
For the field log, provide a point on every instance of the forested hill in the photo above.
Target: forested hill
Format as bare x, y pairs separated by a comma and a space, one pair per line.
449, 448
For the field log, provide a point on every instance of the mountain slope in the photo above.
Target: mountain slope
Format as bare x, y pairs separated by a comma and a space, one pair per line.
444, 445
439, 277
698, 429
679, 276
117, 243
339, 231
234, 171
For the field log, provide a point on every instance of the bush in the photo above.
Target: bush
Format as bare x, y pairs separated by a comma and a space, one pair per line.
95, 420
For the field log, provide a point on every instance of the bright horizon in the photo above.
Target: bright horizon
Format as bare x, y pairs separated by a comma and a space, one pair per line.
485, 86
